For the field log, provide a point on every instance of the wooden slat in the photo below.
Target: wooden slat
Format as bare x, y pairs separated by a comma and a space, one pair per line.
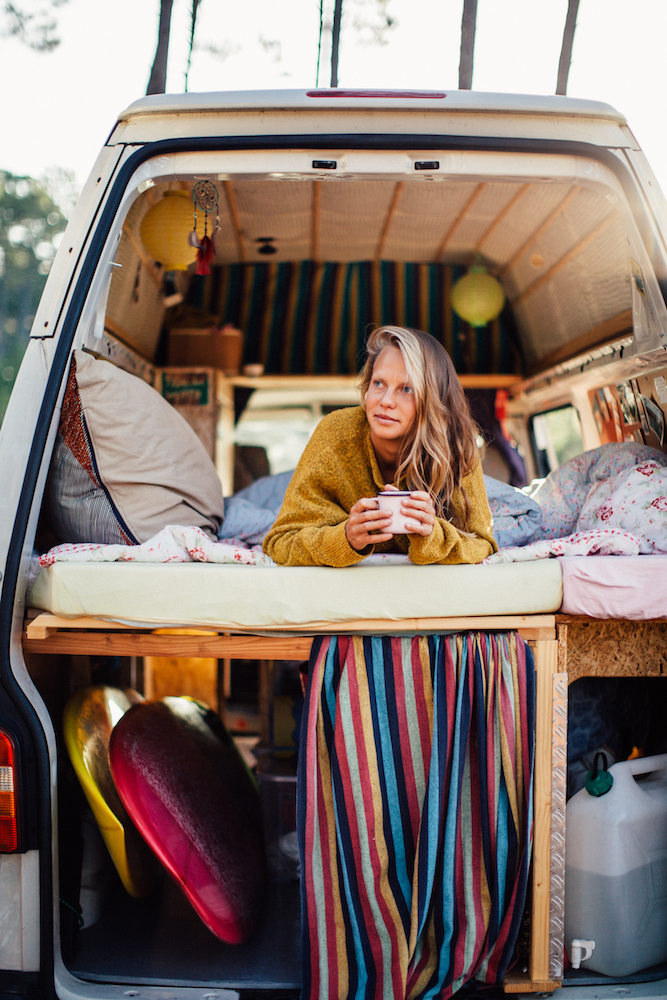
457, 221
545, 668
315, 220
474, 381
530, 626
236, 219
499, 219
520, 982
46, 624
502, 622
566, 258
560, 208
235, 647
293, 381
389, 218
224, 439
48, 633
146, 259
598, 335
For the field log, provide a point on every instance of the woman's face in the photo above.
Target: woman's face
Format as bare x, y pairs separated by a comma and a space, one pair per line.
391, 406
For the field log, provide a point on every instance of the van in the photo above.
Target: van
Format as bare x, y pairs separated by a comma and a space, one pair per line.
331, 211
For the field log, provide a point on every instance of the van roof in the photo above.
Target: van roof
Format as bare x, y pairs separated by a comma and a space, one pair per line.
353, 99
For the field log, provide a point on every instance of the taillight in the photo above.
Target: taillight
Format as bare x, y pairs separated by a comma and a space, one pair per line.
8, 833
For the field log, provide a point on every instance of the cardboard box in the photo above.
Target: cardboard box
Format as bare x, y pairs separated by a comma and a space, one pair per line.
215, 347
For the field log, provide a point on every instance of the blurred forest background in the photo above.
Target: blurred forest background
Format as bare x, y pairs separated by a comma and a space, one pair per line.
34, 211
33, 216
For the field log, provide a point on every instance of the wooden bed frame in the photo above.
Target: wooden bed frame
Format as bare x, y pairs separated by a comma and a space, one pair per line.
565, 648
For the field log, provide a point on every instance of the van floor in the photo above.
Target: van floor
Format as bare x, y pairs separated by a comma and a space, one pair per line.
161, 940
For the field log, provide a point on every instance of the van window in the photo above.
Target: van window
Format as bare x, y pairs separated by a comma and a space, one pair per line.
557, 437
282, 420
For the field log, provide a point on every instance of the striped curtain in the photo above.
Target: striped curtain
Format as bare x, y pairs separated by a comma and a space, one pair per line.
414, 813
308, 318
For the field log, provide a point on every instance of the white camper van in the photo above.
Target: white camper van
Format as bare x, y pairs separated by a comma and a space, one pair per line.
331, 211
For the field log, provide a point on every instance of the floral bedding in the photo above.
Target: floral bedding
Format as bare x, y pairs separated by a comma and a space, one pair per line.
565, 490
602, 505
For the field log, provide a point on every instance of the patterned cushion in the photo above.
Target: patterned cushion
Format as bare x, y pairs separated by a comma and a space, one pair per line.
634, 500
563, 492
126, 464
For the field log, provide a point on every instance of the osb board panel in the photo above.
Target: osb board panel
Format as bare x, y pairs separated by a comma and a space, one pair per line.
613, 649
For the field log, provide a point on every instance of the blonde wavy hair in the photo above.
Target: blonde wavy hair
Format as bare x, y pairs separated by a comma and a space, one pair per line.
443, 447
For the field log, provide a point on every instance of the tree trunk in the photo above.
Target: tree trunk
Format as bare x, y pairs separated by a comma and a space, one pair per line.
468, 26
566, 48
335, 41
158, 79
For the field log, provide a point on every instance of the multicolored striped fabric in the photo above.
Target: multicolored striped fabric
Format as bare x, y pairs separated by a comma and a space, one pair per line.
308, 318
414, 813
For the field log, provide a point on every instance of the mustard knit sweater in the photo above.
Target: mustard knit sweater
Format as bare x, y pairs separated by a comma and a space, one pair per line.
336, 469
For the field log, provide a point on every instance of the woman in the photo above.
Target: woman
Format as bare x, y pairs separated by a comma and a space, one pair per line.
413, 432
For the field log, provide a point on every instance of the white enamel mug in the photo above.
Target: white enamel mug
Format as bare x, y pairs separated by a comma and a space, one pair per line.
391, 500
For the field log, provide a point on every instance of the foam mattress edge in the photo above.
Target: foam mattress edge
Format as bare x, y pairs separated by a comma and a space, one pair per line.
248, 597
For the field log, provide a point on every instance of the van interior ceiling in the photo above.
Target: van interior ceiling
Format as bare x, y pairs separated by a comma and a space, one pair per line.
538, 237
304, 266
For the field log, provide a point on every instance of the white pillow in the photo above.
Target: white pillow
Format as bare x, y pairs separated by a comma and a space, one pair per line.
126, 463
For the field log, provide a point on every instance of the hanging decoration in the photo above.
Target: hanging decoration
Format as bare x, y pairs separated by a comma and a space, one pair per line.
164, 230
478, 297
206, 198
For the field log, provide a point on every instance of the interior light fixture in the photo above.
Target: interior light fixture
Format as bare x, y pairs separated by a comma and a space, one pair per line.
267, 246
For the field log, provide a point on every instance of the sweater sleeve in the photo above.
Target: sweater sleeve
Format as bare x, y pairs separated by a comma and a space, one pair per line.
310, 528
445, 544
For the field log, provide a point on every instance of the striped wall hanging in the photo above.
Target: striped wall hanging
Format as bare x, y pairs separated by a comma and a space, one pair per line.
309, 318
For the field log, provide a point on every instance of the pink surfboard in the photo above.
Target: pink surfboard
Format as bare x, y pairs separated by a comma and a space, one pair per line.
190, 794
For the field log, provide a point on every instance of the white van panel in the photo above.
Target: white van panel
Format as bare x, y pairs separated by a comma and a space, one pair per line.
467, 101
19, 915
457, 113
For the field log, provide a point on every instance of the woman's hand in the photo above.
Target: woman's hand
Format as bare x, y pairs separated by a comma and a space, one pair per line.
366, 518
421, 511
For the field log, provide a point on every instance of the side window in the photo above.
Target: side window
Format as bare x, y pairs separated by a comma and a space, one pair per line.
557, 437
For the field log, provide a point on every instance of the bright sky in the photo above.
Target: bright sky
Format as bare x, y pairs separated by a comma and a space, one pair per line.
59, 107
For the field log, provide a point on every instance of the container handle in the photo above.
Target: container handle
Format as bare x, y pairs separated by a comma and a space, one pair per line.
605, 766
638, 765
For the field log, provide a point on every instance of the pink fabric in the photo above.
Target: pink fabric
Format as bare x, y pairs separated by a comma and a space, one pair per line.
633, 587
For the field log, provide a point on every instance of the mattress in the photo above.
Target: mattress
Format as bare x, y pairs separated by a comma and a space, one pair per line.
252, 598
633, 587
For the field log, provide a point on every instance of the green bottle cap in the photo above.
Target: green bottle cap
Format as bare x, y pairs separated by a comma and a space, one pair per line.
599, 780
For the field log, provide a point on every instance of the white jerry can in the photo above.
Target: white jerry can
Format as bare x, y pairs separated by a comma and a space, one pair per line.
616, 867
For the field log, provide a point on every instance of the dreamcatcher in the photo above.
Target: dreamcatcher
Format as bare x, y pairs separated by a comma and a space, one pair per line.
205, 196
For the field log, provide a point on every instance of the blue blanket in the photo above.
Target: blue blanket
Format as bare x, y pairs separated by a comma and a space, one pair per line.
517, 519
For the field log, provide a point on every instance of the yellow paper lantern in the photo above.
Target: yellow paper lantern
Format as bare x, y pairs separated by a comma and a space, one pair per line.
478, 297
164, 231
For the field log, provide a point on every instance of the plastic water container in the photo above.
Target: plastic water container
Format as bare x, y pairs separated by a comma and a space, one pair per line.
616, 869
